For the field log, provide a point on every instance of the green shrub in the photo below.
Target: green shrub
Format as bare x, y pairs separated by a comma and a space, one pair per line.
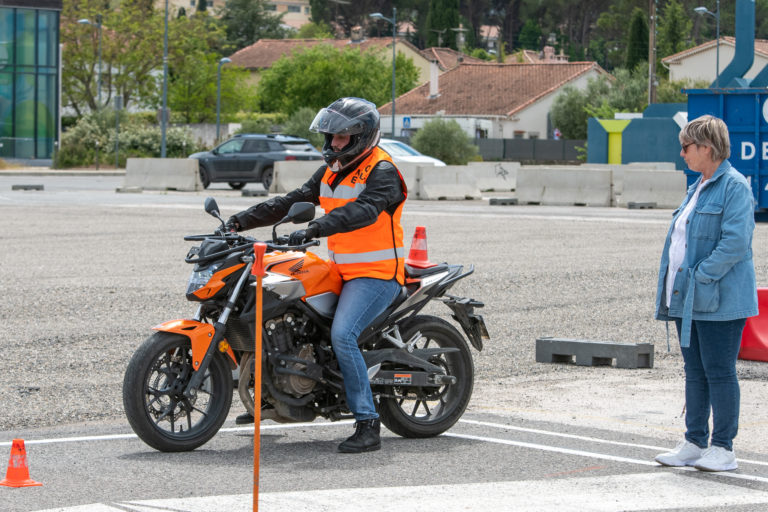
444, 139
298, 126
138, 139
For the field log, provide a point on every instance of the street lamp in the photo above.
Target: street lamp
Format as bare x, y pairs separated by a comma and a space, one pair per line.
222, 61
393, 21
86, 21
164, 113
702, 11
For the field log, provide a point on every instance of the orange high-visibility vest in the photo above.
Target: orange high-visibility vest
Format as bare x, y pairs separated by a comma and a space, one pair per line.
377, 250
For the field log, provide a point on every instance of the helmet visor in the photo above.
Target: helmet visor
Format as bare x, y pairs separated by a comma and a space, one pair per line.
334, 122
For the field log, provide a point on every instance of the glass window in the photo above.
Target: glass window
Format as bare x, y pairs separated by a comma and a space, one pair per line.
25, 116
6, 38
255, 146
294, 8
25, 37
6, 114
231, 146
45, 115
270, 7
47, 36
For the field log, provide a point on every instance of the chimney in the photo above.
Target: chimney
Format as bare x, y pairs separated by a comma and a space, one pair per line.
356, 34
549, 54
434, 72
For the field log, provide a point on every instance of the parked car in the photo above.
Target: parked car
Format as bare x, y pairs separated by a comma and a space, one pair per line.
250, 158
402, 152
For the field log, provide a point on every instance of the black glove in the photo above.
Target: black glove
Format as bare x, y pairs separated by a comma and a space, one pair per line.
232, 225
303, 235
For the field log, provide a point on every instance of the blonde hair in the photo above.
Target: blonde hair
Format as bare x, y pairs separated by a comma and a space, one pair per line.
708, 131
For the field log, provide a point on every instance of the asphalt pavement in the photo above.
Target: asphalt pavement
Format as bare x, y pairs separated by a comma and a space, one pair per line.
87, 271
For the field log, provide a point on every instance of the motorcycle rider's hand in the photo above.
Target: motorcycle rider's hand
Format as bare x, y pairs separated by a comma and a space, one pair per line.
303, 235
232, 226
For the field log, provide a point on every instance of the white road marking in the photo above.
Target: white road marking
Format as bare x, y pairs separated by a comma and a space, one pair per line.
629, 492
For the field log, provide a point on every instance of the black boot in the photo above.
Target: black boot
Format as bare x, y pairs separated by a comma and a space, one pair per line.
244, 419
365, 439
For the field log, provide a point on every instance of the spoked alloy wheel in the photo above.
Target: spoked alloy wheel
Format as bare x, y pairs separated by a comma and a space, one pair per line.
430, 411
153, 394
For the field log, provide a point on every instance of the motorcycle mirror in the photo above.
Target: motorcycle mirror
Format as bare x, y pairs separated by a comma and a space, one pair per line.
211, 207
301, 212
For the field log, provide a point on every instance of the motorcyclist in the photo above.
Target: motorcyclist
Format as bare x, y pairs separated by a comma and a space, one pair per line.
362, 194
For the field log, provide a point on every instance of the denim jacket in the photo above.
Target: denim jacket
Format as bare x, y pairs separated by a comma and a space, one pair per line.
717, 279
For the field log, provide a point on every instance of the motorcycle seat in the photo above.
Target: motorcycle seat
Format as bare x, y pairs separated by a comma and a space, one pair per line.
421, 272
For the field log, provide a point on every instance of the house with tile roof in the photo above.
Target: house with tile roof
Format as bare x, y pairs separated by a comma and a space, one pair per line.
490, 100
698, 63
447, 58
264, 52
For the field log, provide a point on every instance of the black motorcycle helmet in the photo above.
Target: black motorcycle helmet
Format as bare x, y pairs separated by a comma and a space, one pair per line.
348, 116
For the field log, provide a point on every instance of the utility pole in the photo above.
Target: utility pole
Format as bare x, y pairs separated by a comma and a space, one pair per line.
652, 52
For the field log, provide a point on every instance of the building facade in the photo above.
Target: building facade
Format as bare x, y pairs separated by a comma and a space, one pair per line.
29, 78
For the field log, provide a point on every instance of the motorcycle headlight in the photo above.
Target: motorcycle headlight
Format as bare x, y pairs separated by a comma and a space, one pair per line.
199, 278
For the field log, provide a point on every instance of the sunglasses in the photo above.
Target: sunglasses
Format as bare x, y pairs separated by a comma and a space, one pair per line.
685, 146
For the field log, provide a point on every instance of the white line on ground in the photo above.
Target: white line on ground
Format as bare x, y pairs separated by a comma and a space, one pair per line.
629, 492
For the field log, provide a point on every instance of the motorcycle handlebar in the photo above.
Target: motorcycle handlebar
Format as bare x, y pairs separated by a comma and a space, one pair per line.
245, 243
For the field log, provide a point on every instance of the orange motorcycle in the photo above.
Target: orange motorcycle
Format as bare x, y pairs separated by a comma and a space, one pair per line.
178, 386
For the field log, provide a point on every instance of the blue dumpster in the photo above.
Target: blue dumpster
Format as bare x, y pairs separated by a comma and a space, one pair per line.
745, 111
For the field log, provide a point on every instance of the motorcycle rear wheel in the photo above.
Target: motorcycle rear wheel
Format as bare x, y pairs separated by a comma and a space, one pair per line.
429, 411
153, 397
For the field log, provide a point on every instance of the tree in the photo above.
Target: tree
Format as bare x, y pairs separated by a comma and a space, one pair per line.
247, 21
637, 39
443, 15
674, 32
445, 140
530, 35
569, 110
130, 38
314, 77
314, 30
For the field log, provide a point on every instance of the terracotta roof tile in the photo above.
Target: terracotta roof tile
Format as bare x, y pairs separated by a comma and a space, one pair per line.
490, 89
264, 52
447, 58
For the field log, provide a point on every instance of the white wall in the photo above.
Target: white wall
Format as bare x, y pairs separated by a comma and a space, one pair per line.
701, 66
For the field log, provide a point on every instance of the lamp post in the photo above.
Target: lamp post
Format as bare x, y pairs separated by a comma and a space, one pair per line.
86, 21
393, 21
164, 113
702, 11
222, 61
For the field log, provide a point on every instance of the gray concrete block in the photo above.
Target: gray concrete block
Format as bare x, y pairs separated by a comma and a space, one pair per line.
251, 192
632, 205
503, 200
594, 353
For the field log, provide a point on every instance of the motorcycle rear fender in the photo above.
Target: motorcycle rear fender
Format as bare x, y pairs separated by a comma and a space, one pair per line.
471, 323
200, 335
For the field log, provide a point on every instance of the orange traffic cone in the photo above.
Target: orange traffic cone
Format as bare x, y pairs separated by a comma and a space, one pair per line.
418, 256
18, 471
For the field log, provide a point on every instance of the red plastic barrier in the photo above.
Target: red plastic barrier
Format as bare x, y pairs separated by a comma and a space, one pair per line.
754, 339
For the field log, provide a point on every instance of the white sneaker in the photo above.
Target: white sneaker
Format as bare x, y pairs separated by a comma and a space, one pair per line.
716, 458
684, 454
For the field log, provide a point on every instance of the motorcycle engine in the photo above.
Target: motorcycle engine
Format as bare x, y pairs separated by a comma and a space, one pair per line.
288, 336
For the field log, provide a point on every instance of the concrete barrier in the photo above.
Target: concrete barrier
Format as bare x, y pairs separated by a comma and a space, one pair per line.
291, 174
564, 186
410, 171
162, 174
660, 189
659, 166
450, 182
496, 176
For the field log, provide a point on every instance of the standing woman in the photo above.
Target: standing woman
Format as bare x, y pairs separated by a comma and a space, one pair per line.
707, 287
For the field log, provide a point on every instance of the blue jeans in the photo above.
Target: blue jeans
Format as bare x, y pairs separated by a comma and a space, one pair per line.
710, 380
360, 302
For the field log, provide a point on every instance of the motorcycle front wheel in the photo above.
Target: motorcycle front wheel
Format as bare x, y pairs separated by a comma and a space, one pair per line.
419, 412
153, 395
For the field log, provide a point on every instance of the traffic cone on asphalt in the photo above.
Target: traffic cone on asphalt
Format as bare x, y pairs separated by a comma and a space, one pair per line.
417, 257
18, 471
